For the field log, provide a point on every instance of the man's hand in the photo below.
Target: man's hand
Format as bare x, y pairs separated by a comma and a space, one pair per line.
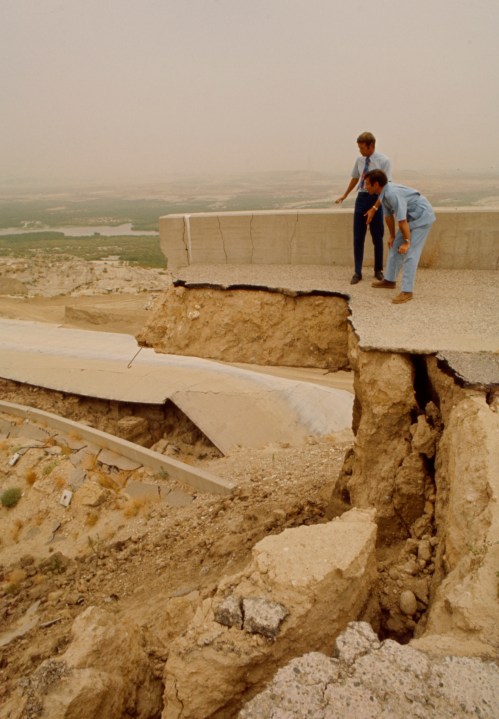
369, 215
390, 242
402, 250
339, 200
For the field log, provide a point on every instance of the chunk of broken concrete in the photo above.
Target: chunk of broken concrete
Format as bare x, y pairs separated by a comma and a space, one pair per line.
112, 459
262, 616
229, 612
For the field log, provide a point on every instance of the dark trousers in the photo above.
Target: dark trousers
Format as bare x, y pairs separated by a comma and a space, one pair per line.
363, 203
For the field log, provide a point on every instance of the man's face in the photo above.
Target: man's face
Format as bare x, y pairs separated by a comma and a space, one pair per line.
373, 189
365, 149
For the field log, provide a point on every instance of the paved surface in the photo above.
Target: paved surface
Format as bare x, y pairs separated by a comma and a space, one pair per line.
231, 406
454, 313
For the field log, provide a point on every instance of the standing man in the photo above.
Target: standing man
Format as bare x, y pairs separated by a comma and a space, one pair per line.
364, 214
414, 216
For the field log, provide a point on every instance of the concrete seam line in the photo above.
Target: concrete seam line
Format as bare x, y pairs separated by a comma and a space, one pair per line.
196, 478
187, 221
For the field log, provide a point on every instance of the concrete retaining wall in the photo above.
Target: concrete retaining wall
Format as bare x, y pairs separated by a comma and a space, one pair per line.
160, 463
460, 239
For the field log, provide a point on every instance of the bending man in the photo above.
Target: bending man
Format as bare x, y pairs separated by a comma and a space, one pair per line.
414, 216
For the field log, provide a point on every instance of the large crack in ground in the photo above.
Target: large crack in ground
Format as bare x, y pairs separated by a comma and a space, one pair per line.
402, 404
410, 416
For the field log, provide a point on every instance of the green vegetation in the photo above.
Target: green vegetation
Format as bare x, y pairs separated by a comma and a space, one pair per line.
53, 207
28, 207
49, 467
11, 497
55, 564
82, 212
137, 250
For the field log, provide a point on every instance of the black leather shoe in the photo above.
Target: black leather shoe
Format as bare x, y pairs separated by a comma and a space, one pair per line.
356, 278
378, 275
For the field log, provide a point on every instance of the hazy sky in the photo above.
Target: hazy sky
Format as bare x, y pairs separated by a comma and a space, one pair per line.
134, 89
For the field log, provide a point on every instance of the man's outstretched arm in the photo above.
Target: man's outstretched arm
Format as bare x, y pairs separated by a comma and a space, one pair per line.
353, 182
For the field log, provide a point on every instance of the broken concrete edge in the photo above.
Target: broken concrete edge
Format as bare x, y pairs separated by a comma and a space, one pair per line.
259, 288
192, 476
444, 362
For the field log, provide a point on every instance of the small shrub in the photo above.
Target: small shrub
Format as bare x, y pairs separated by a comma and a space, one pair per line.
16, 576
16, 529
38, 519
48, 468
14, 581
59, 482
31, 476
11, 588
91, 519
106, 481
89, 462
11, 497
133, 507
55, 564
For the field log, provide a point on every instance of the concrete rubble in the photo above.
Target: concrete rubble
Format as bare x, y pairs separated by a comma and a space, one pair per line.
369, 679
300, 589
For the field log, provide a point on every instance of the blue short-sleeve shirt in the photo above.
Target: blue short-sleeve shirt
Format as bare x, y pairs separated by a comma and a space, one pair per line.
405, 203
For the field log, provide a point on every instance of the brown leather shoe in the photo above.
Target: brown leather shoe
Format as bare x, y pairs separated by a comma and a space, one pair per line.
402, 297
384, 284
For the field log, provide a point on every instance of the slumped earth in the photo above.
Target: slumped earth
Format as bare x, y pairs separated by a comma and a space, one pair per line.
157, 570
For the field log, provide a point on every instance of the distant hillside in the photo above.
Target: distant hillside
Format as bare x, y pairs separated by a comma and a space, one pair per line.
142, 205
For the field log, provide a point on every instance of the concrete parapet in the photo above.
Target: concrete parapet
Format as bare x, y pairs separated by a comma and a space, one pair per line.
460, 239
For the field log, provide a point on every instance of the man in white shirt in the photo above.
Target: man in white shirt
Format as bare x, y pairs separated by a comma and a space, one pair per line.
363, 214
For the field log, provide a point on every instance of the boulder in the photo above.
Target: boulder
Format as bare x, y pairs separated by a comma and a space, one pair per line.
299, 591
105, 672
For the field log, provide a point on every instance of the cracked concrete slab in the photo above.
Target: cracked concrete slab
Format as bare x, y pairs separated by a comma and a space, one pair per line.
113, 459
453, 313
230, 405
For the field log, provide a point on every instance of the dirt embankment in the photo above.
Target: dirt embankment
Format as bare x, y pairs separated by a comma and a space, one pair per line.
157, 567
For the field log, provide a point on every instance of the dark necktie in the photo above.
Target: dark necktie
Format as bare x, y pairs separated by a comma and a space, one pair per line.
366, 169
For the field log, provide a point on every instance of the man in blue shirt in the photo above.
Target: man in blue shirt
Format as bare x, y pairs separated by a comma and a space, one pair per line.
414, 216
369, 160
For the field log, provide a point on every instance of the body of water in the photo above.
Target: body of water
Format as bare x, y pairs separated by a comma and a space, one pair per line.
104, 230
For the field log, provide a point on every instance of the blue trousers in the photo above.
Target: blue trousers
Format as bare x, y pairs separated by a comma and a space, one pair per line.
408, 262
363, 203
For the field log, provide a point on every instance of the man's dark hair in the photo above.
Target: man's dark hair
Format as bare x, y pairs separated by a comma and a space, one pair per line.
376, 176
367, 138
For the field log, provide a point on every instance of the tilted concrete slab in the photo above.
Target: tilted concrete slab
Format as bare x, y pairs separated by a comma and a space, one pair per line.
231, 406
192, 476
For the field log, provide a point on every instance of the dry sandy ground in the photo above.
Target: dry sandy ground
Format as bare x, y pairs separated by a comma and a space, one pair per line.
138, 557
109, 313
